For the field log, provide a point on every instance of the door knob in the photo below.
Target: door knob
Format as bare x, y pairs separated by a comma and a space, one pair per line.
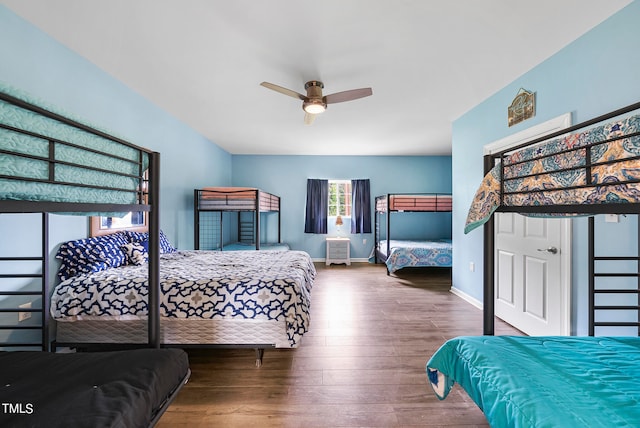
552, 250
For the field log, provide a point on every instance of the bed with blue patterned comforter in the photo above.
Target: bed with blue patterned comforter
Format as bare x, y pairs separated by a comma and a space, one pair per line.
416, 253
259, 285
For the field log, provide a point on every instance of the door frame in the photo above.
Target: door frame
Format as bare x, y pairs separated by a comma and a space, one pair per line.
553, 125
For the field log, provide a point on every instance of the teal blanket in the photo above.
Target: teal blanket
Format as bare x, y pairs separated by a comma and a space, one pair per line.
35, 148
544, 381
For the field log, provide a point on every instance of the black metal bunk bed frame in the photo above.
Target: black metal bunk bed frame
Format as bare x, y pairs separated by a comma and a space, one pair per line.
583, 209
387, 211
147, 200
247, 231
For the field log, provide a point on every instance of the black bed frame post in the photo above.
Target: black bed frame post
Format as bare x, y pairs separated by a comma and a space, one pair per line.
376, 234
489, 272
592, 278
488, 294
221, 240
279, 221
154, 252
388, 226
388, 230
257, 214
196, 219
46, 342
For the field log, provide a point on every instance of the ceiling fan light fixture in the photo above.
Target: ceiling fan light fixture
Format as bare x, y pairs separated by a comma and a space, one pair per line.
314, 106
314, 102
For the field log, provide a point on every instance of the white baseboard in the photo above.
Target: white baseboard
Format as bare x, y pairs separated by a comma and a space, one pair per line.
464, 296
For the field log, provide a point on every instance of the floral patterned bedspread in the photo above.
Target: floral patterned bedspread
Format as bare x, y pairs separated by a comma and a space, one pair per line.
268, 285
547, 174
415, 253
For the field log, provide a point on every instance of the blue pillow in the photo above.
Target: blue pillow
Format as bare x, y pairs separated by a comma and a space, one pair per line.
165, 245
91, 254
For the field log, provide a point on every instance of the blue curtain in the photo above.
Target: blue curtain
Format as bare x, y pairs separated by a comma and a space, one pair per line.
315, 220
361, 206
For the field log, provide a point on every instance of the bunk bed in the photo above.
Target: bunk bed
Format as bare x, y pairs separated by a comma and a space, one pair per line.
249, 204
50, 163
587, 169
401, 253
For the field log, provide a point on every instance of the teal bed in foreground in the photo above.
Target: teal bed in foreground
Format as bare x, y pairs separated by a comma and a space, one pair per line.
520, 381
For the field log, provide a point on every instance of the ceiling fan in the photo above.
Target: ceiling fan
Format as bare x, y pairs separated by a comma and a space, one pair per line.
314, 102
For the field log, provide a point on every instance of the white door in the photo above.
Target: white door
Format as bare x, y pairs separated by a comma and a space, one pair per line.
533, 258
531, 287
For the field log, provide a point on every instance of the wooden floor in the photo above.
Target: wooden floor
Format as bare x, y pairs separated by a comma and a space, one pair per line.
362, 364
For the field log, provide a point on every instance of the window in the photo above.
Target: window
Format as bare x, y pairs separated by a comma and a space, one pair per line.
340, 198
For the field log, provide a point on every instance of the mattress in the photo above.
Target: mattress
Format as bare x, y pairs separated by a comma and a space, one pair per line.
418, 202
198, 285
544, 381
87, 160
102, 389
596, 166
236, 199
417, 253
178, 331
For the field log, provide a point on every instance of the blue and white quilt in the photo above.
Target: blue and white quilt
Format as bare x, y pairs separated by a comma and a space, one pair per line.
266, 285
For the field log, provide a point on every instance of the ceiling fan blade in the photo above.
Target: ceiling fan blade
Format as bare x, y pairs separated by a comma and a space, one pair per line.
353, 94
309, 118
285, 91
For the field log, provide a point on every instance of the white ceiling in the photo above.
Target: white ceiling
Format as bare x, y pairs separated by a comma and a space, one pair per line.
428, 62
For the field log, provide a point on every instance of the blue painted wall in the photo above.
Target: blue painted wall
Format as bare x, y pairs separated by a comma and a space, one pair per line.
287, 177
593, 75
35, 63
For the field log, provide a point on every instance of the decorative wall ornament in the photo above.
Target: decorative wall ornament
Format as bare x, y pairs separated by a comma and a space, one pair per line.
522, 107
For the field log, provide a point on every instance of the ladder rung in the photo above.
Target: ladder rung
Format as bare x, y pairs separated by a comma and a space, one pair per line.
21, 275
616, 324
14, 345
613, 308
617, 274
20, 293
20, 327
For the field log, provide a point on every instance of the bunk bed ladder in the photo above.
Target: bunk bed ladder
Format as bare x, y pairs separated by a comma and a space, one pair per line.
18, 319
596, 305
246, 229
